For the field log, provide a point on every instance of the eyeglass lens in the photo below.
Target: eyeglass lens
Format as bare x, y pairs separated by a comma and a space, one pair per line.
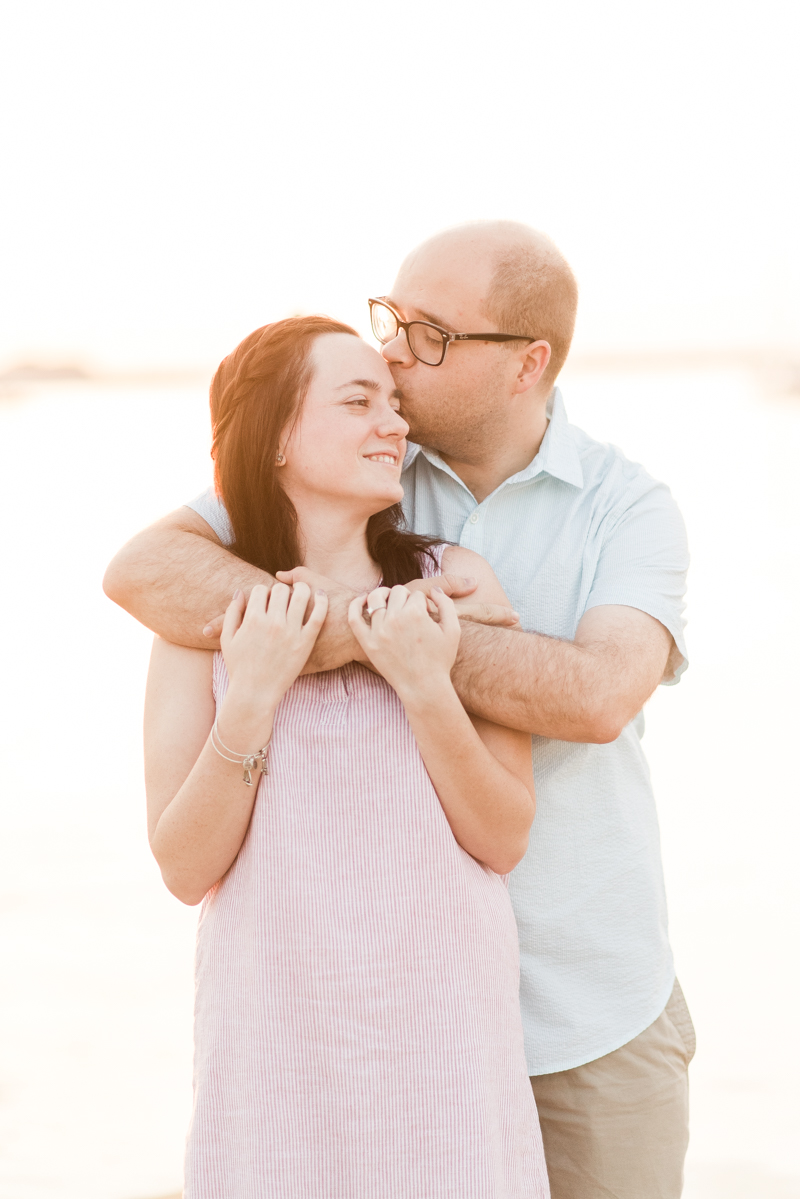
425, 342
384, 323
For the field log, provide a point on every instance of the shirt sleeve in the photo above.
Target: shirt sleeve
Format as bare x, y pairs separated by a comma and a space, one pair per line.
211, 508
643, 563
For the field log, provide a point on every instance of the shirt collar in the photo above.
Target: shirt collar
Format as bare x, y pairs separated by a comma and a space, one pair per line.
558, 454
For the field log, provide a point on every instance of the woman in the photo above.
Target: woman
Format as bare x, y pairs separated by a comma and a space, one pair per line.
357, 1028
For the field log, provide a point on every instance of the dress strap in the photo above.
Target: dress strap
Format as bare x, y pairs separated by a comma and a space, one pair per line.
219, 678
428, 568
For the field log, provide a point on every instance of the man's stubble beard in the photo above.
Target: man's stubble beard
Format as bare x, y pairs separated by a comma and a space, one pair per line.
447, 426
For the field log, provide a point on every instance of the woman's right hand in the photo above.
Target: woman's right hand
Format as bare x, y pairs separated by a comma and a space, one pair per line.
264, 641
413, 652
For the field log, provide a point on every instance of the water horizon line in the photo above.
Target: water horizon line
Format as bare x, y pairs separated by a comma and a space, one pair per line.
777, 361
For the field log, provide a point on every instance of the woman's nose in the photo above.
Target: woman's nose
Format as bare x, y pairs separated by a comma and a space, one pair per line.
393, 426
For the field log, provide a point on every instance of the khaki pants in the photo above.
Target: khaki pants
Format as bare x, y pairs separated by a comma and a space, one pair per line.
618, 1128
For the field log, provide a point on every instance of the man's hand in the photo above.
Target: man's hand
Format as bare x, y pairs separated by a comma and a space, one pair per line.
460, 588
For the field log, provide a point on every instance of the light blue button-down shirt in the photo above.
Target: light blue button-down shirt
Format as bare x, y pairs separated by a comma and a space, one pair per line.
580, 526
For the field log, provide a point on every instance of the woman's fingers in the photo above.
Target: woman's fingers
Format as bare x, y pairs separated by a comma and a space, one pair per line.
377, 599
375, 605
356, 609
298, 602
256, 605
279, 600
398, 598
419, 603
317, 618
233, 616
448, 615
355, 618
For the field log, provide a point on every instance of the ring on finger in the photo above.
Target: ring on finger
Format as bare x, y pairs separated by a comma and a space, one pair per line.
372, 608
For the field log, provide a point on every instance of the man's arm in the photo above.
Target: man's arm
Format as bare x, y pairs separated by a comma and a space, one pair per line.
176, 576
589, 689
582, 690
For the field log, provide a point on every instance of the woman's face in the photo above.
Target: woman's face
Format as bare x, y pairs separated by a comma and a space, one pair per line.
348, 441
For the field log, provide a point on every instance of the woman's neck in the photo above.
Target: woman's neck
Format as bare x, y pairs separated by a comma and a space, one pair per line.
334, 543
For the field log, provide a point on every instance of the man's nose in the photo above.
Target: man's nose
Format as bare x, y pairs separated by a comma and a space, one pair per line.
397, 350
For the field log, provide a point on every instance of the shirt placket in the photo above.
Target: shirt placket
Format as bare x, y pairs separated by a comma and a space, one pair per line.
472, 531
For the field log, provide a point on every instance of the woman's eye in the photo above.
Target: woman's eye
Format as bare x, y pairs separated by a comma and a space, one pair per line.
360, 400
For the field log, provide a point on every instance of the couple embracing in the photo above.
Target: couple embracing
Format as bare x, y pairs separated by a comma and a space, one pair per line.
396, 964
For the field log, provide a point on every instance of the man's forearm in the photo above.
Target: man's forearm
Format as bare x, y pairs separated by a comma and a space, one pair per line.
544, 686
175, 579
524, 681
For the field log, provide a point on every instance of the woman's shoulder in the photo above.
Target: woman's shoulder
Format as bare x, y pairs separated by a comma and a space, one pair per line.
457, 559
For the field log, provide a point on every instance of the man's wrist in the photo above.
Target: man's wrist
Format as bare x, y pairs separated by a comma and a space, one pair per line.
336, 644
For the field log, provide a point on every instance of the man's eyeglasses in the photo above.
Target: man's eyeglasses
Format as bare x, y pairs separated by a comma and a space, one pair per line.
428, 343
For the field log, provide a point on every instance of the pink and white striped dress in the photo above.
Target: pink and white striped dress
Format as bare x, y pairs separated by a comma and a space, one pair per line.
357, 1023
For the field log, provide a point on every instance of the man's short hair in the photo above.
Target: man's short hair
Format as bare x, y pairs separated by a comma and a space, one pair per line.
534, 292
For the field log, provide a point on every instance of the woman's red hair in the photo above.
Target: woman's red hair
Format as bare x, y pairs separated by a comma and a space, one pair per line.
257, 391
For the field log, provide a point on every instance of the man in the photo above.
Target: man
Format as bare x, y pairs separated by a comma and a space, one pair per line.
592, 554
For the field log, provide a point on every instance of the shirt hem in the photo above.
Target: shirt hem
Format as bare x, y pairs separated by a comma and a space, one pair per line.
611, 1047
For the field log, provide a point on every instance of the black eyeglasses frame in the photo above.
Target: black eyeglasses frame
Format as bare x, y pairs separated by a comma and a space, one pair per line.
447, 336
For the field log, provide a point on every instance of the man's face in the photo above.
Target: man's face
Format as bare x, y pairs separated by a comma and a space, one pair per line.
452, 408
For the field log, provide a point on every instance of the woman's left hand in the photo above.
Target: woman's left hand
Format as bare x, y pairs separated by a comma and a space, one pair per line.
402, 642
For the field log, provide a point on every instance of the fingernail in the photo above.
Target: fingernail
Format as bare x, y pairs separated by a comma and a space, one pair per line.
469, 581
515, 615
238, 593
439, 590
207, 631
320, 593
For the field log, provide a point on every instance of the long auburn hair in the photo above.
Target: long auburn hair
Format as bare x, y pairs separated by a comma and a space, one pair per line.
256, 392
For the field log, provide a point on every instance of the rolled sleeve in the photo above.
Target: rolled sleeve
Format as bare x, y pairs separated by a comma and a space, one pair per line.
211, 508
643, 563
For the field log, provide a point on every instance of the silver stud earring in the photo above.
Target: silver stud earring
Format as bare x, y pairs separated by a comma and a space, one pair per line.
280, 459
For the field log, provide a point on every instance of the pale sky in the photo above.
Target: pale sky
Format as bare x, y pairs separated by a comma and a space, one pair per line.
176, 173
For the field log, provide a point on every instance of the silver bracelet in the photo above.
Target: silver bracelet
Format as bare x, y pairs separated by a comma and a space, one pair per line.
248, 762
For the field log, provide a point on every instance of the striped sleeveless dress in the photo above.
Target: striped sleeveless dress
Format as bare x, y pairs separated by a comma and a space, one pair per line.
357, 1022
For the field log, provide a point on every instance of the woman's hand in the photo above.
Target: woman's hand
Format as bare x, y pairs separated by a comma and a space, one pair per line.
411, 651
265, 643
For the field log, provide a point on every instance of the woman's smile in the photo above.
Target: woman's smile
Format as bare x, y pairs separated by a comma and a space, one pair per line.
388, 458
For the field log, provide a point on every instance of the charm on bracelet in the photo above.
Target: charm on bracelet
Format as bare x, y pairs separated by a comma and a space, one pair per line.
248, 762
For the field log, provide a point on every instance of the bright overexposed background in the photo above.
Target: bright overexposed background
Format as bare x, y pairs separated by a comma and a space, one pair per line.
174, 175
178, 171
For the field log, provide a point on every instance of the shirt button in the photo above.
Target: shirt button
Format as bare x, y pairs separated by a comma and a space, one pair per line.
473, 520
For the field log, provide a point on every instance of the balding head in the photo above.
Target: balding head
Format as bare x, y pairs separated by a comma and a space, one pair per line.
526, 285
486, 403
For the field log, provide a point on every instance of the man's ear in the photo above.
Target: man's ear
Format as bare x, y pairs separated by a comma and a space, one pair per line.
532, 365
